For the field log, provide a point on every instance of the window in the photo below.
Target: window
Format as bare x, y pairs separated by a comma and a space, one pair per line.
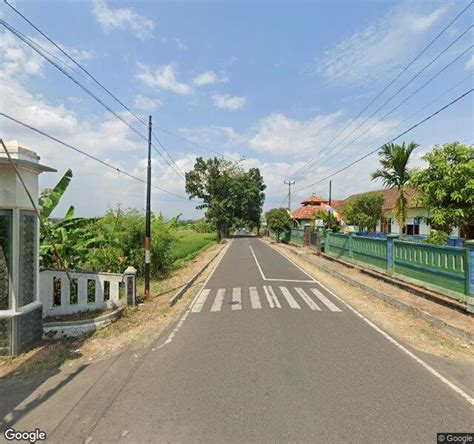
412, 229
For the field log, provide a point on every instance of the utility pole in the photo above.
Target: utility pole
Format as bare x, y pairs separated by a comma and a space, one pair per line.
289, 183
330, 193
148, 216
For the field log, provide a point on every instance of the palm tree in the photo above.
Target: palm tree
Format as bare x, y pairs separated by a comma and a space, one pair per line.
395, 174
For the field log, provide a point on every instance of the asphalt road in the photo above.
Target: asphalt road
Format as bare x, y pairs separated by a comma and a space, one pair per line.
265, 354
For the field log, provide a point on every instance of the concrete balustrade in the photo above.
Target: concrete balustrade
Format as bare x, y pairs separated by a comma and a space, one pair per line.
85, 291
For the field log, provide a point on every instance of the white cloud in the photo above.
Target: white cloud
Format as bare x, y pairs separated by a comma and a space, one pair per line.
280, 135
180, 44
163, 77
146, 104
209, 78
379, 48
470, 63
93, 187
122, 18
226, 101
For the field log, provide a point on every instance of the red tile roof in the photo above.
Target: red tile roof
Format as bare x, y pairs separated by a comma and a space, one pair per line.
307, 211
390, 196
314, 200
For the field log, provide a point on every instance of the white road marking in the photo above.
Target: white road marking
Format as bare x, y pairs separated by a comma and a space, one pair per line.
197, 307
236, 299
307, 299
275, 279
272, 299
217, 305
397, 344
254, 299
325, 300
258, 265
291, 300
183, 318
296, 265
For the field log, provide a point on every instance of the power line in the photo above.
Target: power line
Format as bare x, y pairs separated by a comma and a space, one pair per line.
407, 83
90, 156
36, 211
101, 85
314, 157
392, 140
35, 46
400, 104
402, 88
470, 76
76, 63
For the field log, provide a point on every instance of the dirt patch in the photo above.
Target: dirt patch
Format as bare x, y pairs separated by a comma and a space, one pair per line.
407, 327
138, 326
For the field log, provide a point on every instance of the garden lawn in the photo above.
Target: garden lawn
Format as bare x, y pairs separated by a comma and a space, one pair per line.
188, 244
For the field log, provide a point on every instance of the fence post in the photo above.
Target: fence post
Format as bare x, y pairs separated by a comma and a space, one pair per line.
350, 245
307, 235
390, 252
326, 242
469, 283
131, 286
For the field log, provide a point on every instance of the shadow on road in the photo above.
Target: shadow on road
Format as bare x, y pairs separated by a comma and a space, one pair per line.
44, 362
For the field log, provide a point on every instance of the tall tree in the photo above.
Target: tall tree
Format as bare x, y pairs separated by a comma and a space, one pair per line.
229, 193
395, 174
446, 187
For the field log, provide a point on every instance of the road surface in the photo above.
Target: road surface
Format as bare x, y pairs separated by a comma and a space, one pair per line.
265, 354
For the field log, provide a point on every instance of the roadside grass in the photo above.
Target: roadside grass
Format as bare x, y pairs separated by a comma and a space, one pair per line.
188, 244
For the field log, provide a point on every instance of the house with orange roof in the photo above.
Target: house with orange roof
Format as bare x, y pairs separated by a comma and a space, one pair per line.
415, 225
305, 213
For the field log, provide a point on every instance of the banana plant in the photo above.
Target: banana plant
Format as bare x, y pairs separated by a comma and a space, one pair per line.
69, 236
49, 198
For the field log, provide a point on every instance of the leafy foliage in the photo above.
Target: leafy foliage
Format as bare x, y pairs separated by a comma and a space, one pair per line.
230, 195
110, 243
70, 237
278, 220
446, 187
437, 237
202, 226
395, 174
364, 210
329, 220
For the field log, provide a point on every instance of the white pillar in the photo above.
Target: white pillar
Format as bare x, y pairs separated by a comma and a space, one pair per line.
21, 316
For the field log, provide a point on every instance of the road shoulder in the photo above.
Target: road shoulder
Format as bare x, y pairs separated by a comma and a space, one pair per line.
447, 353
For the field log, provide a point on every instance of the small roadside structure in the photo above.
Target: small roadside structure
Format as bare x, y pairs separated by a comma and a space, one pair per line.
21, 309
305, 213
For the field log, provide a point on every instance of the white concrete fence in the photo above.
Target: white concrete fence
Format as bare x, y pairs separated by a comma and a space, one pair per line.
85, 291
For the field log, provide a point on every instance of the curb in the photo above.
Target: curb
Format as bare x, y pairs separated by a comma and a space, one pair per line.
434, 321
62, 329
188, 284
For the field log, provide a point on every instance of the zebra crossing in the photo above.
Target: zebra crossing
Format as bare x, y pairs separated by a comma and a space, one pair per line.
256, 298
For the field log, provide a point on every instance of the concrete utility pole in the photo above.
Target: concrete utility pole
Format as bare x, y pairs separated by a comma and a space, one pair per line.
330, 183
289, 183
148, 216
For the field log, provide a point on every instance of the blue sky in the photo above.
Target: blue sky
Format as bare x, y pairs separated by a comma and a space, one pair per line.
274, 82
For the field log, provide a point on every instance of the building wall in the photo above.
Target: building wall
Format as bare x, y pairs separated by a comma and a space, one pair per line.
412, 214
